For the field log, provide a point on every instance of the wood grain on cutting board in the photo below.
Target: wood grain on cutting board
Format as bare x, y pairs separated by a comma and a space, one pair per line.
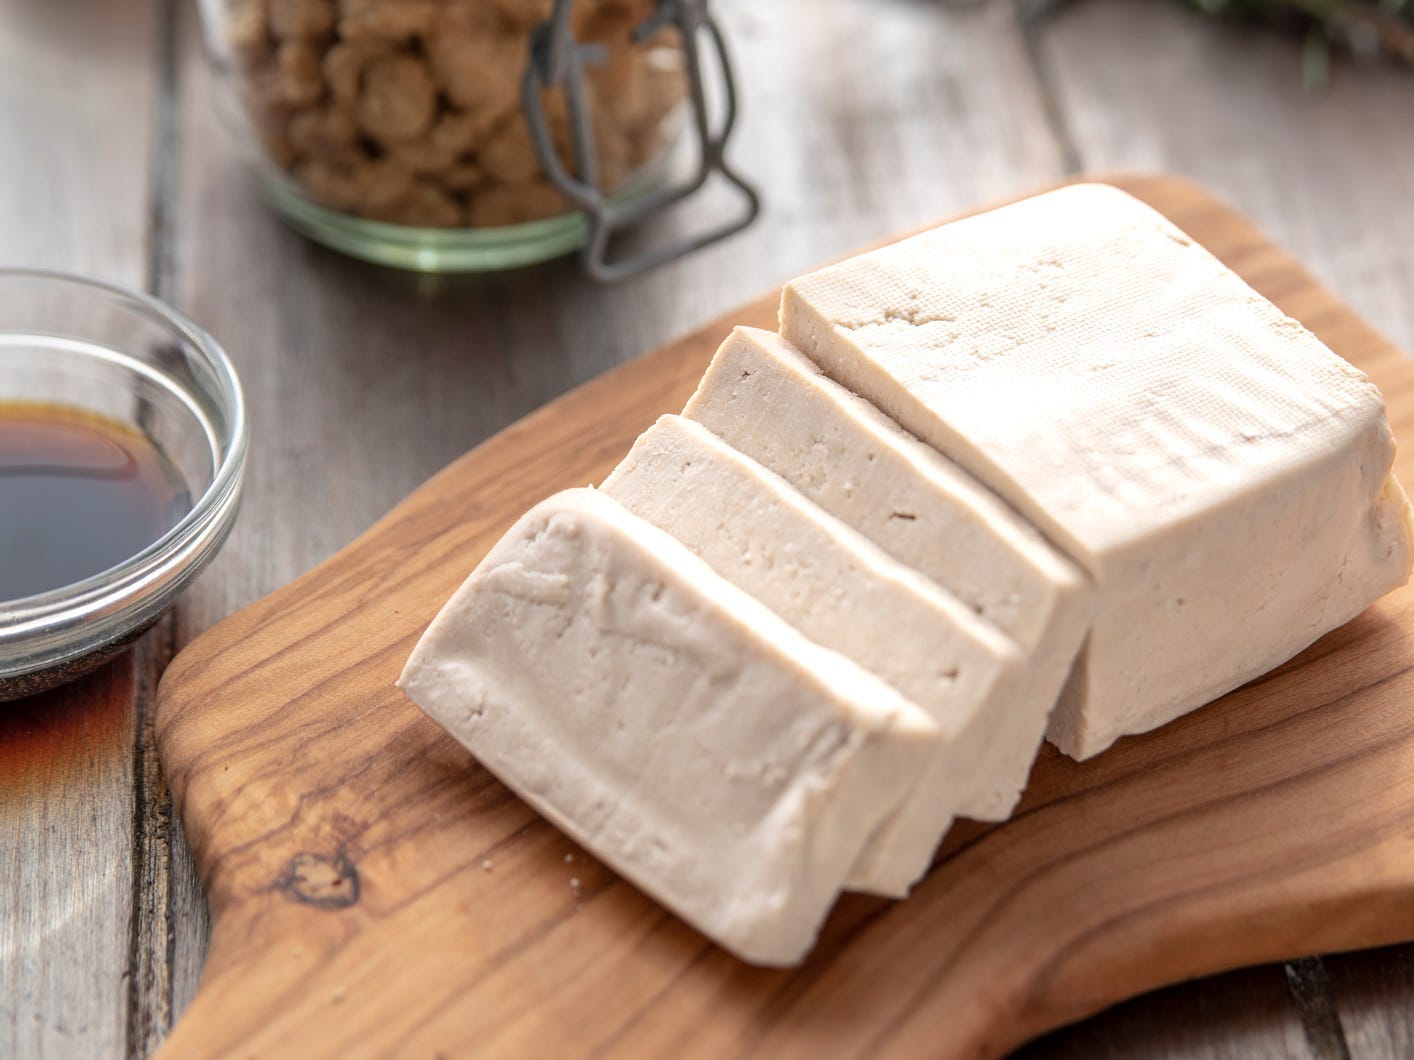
373, 889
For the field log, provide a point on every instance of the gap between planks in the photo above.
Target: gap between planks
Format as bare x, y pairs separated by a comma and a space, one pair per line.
152, 927
1310, 986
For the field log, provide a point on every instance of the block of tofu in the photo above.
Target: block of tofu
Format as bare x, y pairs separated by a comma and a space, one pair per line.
670, 723
843, 592
768, 400
1222, 475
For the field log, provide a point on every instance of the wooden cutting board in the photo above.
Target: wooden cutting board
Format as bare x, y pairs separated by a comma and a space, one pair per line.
374, 892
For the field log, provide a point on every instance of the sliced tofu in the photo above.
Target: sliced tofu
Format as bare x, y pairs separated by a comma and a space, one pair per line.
675, 726
768, 400
842, 591
1223, 477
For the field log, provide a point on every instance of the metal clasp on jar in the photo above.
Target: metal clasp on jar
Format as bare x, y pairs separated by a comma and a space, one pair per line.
558, 61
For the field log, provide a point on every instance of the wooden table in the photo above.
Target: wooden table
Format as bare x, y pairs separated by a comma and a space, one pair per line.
362, 382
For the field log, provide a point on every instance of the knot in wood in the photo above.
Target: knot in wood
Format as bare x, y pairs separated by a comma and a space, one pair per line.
320, 880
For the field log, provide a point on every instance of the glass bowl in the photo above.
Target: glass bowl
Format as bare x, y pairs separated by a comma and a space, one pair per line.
79, 343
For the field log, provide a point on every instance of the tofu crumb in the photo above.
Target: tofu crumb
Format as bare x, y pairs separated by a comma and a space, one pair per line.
569, 859
486, 865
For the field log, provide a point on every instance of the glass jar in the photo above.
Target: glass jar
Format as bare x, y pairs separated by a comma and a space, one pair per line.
397, 131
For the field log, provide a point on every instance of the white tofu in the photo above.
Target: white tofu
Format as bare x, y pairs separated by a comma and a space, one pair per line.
768, 400
842, 591
1223, 477
676, 727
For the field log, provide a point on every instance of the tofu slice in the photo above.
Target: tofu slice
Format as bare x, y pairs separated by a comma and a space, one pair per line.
693, 740
1222, 475
842, 591
767, 399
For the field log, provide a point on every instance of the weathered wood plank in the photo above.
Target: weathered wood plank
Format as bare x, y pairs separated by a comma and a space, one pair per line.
1244, 1015
77, 101
1330, 175
77, 92
65, 841
1373, 992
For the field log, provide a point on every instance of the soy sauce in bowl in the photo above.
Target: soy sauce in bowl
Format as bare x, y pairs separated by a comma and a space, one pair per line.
122, 458
79, 494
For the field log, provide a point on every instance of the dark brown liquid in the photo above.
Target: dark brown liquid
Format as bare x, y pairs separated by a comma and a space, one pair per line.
79, 494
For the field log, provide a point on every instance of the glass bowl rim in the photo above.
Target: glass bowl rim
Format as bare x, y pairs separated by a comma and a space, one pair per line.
158, 572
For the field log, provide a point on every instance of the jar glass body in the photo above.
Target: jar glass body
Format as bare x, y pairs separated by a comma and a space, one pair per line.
393, 130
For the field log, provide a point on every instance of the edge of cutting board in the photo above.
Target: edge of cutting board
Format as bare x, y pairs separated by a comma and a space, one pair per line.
374, 891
